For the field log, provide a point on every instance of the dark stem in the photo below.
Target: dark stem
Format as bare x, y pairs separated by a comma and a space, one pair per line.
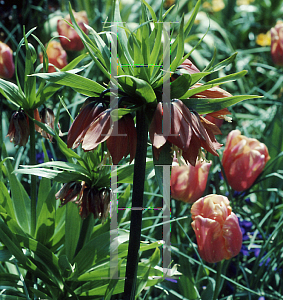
137, 205
33, 177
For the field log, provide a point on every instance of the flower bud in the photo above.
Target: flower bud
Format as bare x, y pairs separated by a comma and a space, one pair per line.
188, 182
7, 67
217, 228
72, 42
243, 160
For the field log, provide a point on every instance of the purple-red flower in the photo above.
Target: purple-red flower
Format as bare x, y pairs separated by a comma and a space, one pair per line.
18, 131
90, 200
217, 228
93, 126
189, 132
7, 66
56, 56
277, 43
243, 160
72, 42
187, 182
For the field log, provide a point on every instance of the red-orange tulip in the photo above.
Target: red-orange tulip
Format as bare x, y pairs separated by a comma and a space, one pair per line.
277, 43
188, 182
7, 67
56, 56
217, 228
243, 160
73, 41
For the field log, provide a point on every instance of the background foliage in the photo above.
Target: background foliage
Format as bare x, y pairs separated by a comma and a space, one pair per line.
57, 261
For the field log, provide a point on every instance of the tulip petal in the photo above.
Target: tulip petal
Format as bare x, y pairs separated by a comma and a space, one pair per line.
233, 235
211, 244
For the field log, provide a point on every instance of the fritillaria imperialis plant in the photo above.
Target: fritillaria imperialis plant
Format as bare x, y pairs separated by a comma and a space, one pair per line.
135, 103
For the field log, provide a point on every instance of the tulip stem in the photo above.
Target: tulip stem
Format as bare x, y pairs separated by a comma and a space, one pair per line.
137, 205
33, 177
218, 279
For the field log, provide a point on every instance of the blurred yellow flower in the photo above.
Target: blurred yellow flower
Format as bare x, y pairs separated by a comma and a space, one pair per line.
244, 2
264, 39
214, 6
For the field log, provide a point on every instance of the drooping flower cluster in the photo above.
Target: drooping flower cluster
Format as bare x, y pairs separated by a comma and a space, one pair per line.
19, 130
217, 228
89, 199
243, 160
93, 126
189, 132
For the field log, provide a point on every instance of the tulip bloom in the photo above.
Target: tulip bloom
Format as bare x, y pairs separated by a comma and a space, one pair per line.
277, 43
243, 160
217, 228
73, 41
93, 126
56, 56
7, 67
187, 182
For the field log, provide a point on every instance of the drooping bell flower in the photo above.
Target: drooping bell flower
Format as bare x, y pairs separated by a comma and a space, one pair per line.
243, 160
217, 228
188, 182
189, 132
90, 200
56, 56
72, 42
7, 66
18, 131
47, 117
277, 43
93, 126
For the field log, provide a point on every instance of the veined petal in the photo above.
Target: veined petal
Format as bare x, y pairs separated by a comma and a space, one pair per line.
155, 128
98, 131
82, 123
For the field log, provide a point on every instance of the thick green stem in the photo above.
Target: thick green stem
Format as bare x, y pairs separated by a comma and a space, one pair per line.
218, 279
33, 177
137, 206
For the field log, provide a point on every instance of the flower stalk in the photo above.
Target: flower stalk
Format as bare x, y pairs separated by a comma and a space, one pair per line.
33, 177
218, 279
137, 205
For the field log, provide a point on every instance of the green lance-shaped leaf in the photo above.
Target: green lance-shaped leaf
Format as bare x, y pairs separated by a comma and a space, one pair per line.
205, 106
62, 172
11, 92
79, 83
180, 86
212, 83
